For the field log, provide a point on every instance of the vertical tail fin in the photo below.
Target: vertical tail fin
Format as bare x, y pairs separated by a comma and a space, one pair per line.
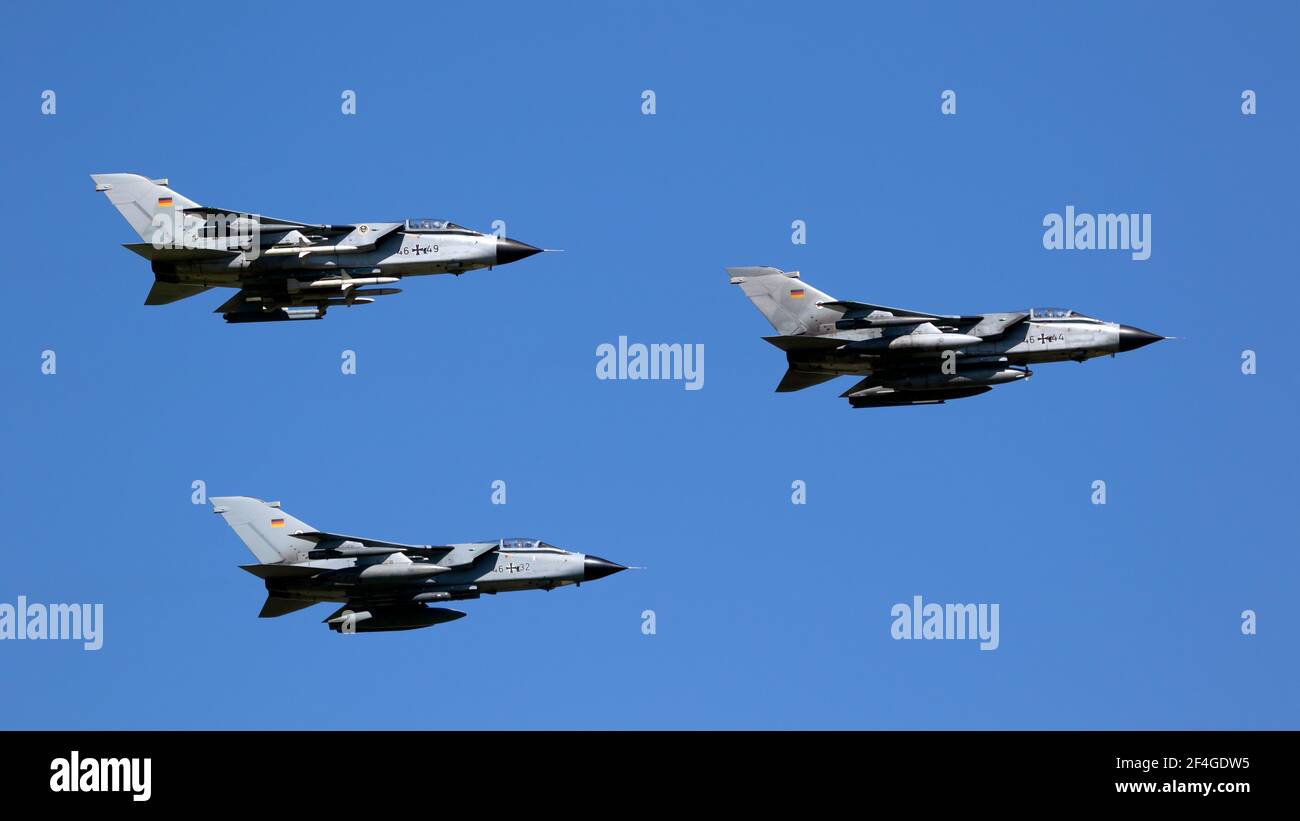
140, 200
264, 528
790, 305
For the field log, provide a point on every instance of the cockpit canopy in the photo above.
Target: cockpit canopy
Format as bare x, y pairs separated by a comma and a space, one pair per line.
428, 226
528, 544
1056, 313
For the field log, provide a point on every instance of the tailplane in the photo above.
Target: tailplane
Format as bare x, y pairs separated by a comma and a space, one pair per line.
797, 380
164, 293
280, 605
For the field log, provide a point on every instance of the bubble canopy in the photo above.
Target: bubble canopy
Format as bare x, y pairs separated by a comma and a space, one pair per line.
432, 226
518, 544
1055, 313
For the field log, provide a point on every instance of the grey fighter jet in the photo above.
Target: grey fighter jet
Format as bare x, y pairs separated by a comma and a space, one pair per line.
915, 358
386, 585
285, 269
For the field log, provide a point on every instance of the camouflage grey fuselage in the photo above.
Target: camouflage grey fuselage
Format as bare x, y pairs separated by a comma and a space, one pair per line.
286, 269
913, 358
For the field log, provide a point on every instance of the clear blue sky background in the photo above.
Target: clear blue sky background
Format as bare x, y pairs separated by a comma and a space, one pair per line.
769, 615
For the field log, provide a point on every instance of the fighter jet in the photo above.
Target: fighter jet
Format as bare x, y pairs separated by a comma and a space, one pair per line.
385, 585
285, 269
912, 357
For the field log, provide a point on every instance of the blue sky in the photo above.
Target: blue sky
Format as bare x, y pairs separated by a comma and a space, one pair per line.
768, 614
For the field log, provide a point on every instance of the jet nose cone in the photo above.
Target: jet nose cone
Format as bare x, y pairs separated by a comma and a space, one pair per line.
512, 250
1131, 338
597, 568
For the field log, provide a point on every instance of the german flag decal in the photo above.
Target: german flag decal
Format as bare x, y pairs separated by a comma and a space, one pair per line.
796, 293
277, 523
164, 202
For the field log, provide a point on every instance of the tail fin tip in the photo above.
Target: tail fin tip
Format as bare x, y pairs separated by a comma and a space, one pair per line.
739, 274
